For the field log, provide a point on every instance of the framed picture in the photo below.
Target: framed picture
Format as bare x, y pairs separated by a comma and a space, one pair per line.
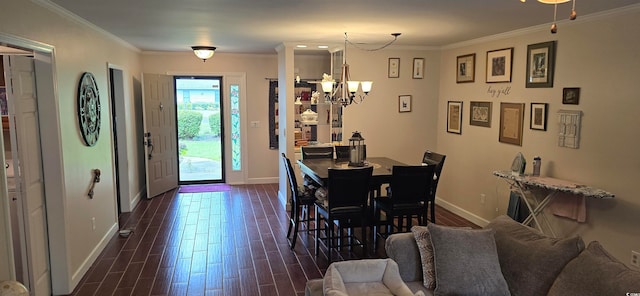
454, 117
418, 68
538, 116
480, 114
540, 64
499, 65
466, 68
394, 68
511, 121
571, 95
404, 103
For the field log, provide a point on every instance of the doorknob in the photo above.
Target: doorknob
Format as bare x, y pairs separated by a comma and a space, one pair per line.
147, 142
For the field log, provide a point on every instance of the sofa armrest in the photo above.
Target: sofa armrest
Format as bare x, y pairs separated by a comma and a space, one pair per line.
402, 248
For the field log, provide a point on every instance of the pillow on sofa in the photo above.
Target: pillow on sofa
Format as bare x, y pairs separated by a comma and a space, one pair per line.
466, 262
526, 254
595, 272
423, 240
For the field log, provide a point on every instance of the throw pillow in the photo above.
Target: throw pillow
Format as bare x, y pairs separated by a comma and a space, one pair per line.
466, 262
525, 254
595, 272
423, 240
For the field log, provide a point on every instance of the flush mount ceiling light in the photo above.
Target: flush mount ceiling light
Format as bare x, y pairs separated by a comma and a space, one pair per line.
203, 52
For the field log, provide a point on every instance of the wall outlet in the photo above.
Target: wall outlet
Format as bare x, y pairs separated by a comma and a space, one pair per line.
483, 198
635, 258
93, 223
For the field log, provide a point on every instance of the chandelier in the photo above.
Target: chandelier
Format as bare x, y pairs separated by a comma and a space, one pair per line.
345, 91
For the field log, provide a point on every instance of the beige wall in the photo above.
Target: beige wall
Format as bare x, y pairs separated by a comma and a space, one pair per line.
599, 55
77, 49
401, 136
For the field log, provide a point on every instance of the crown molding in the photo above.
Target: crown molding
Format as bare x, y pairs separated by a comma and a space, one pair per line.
78, 20
545, 27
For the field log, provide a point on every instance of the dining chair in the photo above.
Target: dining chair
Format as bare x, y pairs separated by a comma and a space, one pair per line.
346, 207
343, 152
314, 152
436, 159
409, 196
301, 203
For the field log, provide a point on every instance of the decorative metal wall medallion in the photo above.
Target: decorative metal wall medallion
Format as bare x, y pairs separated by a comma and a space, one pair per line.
89, 109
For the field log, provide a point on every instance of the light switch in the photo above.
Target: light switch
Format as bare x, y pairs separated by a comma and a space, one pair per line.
255, 124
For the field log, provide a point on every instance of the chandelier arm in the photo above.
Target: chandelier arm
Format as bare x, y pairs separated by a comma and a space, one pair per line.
395, 37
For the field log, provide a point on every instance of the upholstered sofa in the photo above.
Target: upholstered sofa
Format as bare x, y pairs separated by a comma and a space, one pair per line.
504, 258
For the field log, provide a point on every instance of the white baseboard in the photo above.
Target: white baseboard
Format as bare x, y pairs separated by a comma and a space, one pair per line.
137, 199
84, 267
282, 197
462, 212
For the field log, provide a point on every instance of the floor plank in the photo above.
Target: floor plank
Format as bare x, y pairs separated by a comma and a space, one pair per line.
214, 243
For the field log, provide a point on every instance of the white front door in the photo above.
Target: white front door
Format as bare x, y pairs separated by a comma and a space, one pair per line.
25, 143
160, 133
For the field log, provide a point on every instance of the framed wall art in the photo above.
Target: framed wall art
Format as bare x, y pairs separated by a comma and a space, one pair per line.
404, 103
418, 68
511, 122
540, 64
466, 68
499, 65
480, 114
538, 116
454, 117
394, 68
571, 95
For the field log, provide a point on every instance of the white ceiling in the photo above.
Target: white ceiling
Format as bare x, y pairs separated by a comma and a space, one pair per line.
261, 25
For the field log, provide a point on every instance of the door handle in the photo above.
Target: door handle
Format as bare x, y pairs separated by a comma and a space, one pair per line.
147, 142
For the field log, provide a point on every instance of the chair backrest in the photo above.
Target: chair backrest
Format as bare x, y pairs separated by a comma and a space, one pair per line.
411, 183
293, 182
349, 187
313, 152
433, 158
343, 152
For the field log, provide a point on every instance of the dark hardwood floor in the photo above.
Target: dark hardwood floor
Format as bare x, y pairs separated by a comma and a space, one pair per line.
213, 243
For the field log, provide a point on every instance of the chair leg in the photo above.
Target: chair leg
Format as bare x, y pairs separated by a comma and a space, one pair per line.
317, 242
432, 205
296, 222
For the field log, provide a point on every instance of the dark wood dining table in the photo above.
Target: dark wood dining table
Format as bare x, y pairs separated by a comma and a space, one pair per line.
318, 169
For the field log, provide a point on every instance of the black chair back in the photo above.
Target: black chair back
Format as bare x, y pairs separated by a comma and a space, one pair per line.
411, 183
293, 182
311, 152
433, 158
343, 152
349, 187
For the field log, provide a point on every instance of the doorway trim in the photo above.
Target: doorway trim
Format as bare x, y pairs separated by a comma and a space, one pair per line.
52, 161
115, 75
228, 78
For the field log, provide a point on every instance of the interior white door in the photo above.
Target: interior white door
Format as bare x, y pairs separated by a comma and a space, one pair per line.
25, 142
160, 133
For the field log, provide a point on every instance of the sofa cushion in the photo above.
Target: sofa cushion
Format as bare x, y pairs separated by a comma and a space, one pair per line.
402, 248
526, 254
595, 272
466, 262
